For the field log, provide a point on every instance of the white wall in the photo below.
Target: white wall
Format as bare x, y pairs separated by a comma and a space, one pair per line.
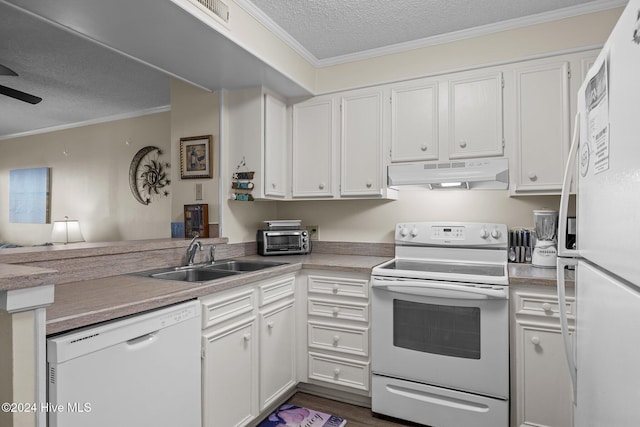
194, 112
91, 184
374, 220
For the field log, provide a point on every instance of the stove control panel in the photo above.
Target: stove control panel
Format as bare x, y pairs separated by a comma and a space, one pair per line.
452, 234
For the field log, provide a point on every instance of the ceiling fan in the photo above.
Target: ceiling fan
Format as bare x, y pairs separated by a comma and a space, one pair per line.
13, 93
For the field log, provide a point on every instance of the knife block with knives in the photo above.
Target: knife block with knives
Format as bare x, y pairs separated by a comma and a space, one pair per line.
520, 245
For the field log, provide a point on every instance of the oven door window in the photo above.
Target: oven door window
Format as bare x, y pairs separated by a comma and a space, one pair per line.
437, 329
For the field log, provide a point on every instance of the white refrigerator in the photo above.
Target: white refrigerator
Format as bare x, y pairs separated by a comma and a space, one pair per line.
604, 352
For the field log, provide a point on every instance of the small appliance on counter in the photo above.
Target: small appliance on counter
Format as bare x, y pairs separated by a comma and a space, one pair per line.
545, 250
283, 237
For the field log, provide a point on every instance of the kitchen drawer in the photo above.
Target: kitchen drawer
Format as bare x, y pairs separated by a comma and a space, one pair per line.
337, 370
339, 286
338, 309
350, 340
277, 290
220, 308
540, 305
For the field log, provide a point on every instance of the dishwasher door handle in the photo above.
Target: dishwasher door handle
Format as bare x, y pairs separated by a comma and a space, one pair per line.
142, 340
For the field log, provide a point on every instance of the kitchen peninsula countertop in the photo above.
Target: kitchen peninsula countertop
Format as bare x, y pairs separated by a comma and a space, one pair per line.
83, 303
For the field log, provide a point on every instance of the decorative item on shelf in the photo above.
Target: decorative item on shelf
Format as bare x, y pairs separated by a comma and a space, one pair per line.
196, 220
196, 157
242, 184
148, 175
67, 231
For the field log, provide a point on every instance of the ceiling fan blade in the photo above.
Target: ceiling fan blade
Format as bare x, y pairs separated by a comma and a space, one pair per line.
22, 96
6, 71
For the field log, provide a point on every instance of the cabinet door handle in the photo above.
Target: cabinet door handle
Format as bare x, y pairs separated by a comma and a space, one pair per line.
463, 144
336, 311
247, 337
546, 307
532, 176
273, 185
270, 324
423, 147
336, 338
335, 289
321, 186
535, 340
369, 184
336, 372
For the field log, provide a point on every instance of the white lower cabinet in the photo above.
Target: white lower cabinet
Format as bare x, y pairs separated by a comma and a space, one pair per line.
248, 350
541, 388
277, 352
337, 354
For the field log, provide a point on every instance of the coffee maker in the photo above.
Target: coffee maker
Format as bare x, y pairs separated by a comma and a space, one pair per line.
546, 227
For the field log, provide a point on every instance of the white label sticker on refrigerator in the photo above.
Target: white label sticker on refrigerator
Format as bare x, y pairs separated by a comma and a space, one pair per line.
597, 102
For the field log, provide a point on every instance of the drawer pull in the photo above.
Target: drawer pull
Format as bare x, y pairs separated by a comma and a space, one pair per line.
336, 339
247, 337
335, 289
270, 324
535, 340
423, 147
336, 372
546, 307
336, 311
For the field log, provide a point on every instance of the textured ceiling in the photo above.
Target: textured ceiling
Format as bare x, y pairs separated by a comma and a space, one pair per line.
332, 28
78, 80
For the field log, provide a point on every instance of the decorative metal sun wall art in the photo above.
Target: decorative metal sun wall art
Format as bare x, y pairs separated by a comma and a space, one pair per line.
148, 175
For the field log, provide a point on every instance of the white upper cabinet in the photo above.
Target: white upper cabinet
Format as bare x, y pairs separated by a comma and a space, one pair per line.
258, 140
541, 96
475, 116
542, 126
339, 145
314, 147
414, 122
361, 170
275, 147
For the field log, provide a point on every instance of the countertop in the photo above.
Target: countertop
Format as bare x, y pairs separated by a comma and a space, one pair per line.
87, 302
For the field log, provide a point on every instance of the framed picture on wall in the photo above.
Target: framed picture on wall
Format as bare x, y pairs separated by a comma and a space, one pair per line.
196, 158
196, 220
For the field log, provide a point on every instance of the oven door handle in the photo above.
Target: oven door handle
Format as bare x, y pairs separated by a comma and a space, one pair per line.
444, 290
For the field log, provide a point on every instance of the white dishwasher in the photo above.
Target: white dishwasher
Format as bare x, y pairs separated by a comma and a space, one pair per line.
142, 370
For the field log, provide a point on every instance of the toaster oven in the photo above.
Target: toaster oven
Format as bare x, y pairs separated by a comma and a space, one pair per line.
283, 242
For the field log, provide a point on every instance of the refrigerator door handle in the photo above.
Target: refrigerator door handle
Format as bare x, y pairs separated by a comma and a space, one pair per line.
564, 195
564, 323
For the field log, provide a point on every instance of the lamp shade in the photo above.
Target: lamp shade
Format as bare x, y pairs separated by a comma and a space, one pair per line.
67, 231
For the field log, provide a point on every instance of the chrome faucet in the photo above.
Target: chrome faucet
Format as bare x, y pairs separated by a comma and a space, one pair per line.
194, 245
212, 254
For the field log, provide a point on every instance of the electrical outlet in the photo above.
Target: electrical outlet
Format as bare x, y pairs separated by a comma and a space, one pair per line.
314, 231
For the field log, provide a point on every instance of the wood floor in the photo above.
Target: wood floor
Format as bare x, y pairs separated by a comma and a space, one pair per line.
356, 416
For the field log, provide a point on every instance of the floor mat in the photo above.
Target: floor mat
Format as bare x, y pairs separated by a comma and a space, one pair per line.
296, 416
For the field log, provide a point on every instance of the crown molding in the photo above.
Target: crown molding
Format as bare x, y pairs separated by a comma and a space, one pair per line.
124, 116
568, 12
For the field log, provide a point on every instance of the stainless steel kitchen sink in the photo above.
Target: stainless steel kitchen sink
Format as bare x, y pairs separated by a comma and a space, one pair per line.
210, 271
242, 265
192, 275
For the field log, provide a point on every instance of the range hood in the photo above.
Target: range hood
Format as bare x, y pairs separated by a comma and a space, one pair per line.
477, 174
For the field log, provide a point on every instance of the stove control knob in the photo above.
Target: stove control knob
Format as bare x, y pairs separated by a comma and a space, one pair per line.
414, 232
496, 233
484, 233
404, 231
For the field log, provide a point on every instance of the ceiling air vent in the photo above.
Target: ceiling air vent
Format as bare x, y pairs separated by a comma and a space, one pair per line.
212, 12
220, 9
